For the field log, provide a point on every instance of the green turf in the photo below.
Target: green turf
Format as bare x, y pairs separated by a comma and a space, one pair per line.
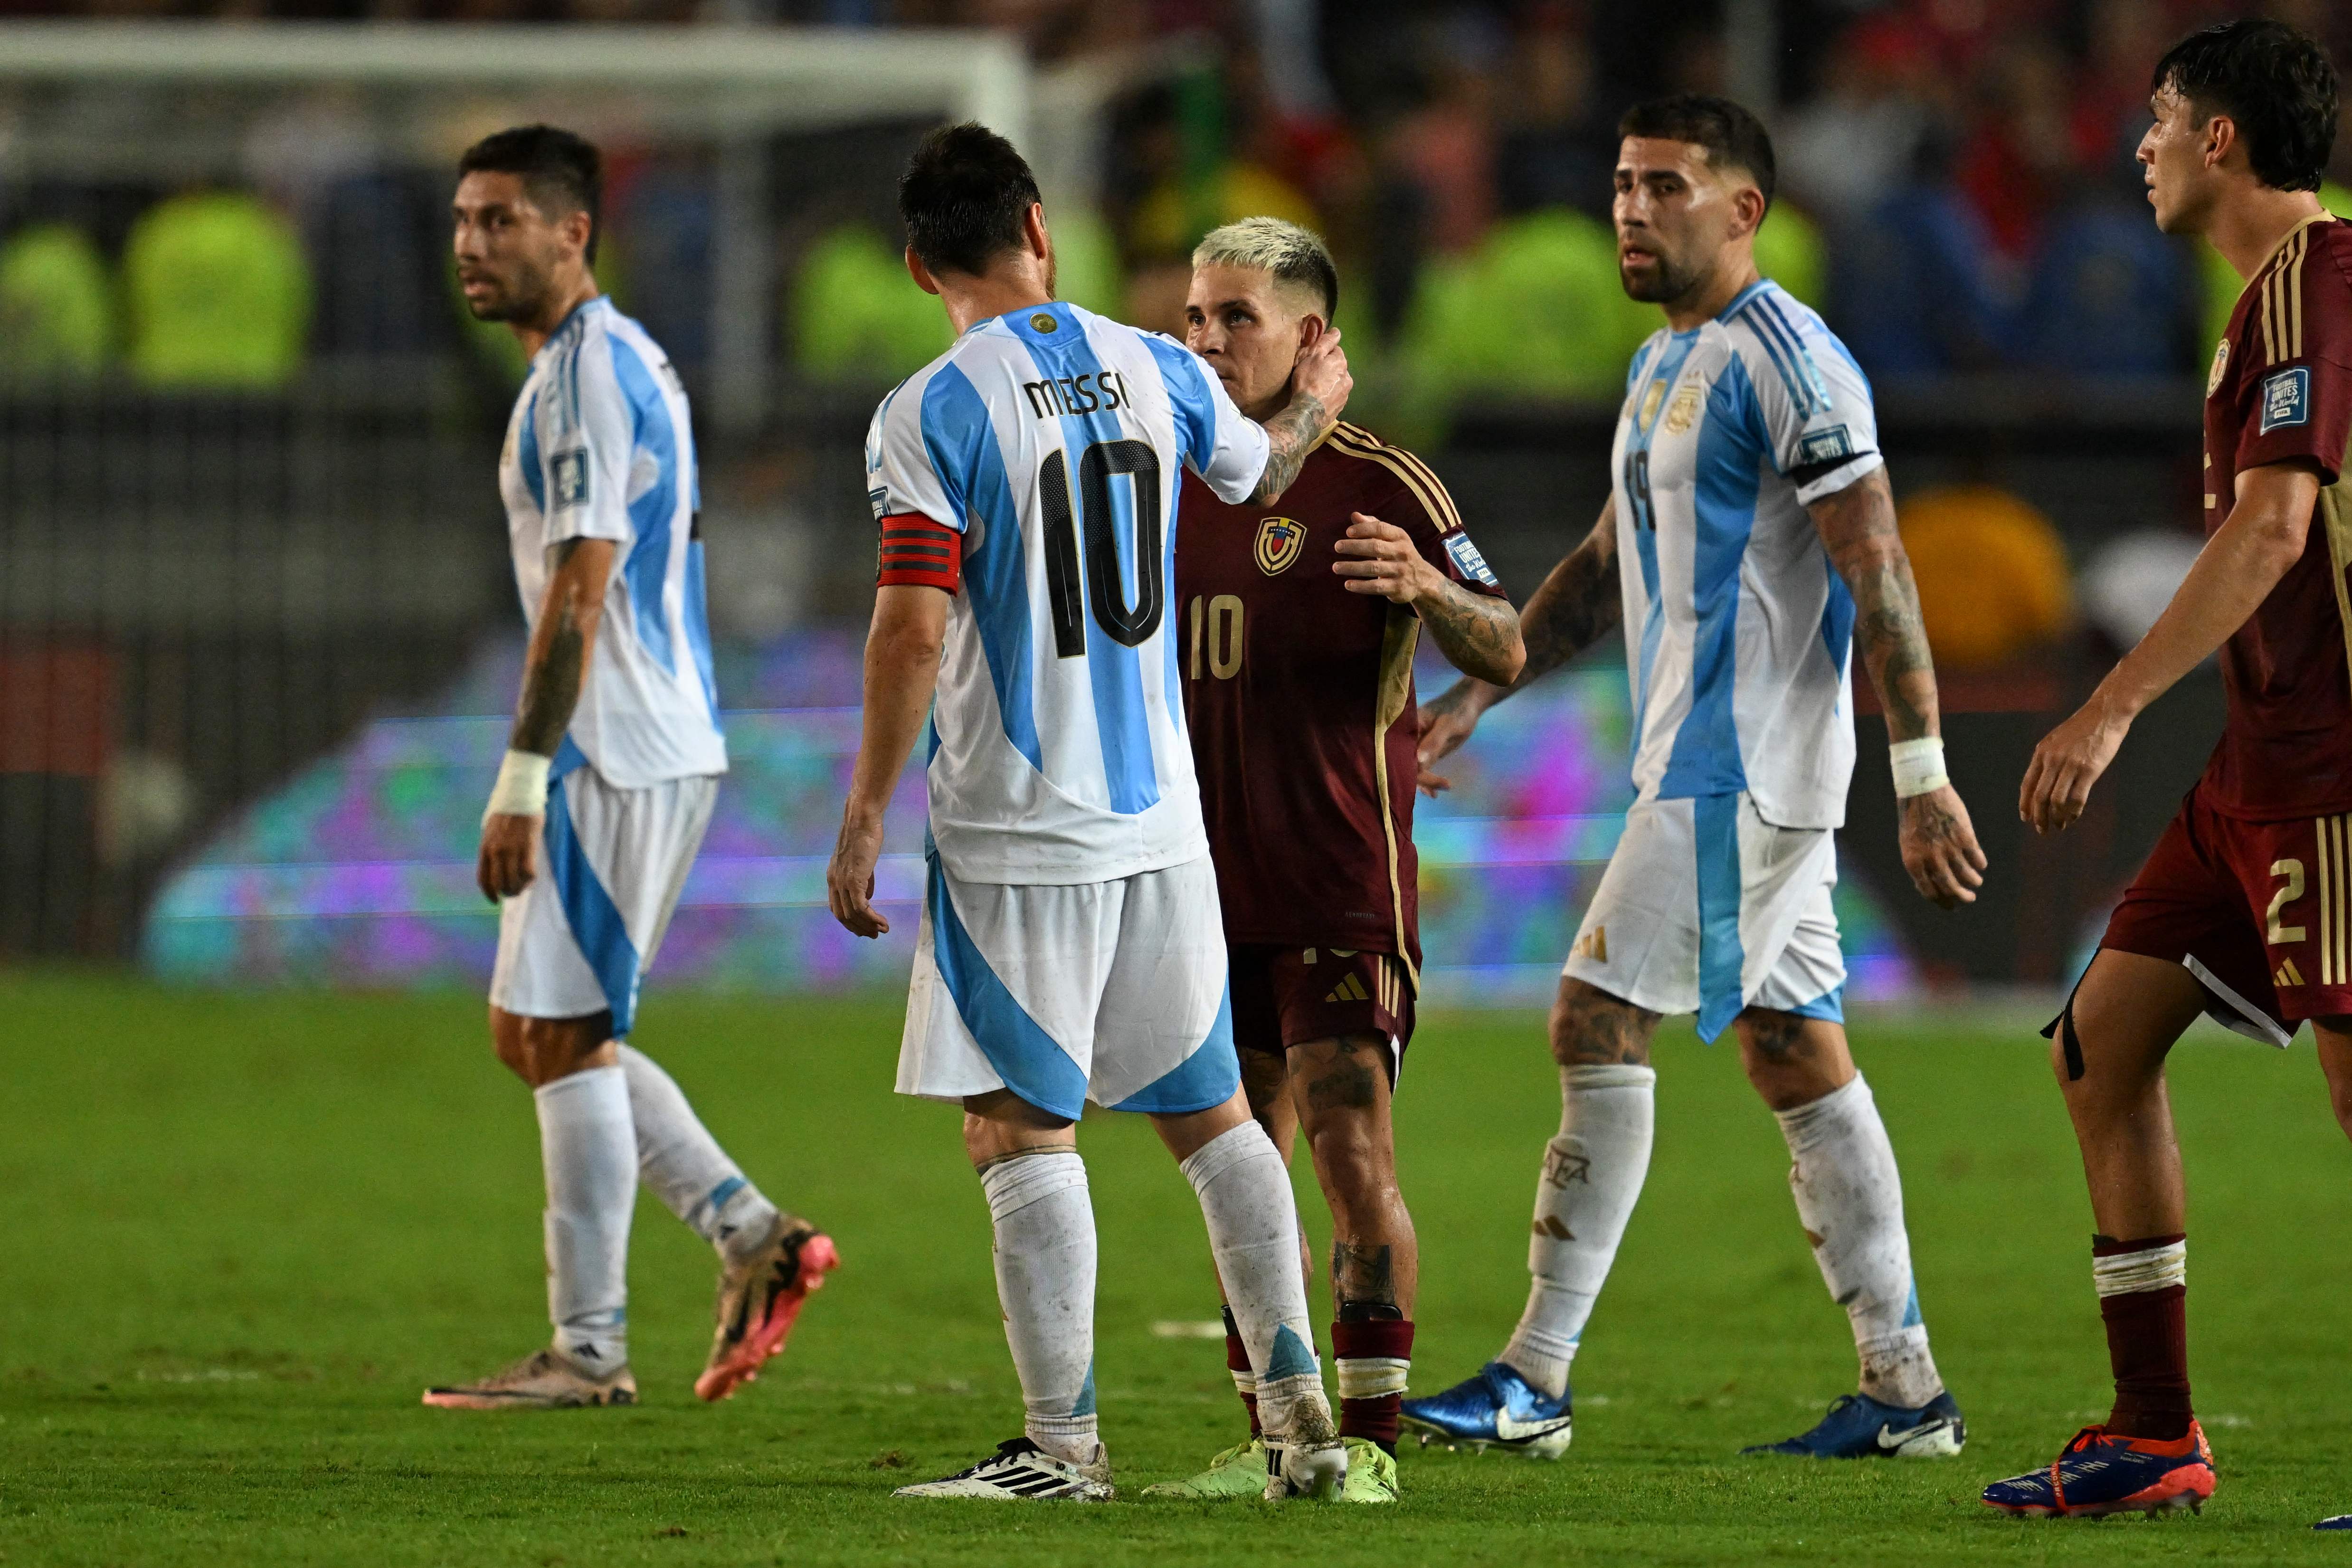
238, 1235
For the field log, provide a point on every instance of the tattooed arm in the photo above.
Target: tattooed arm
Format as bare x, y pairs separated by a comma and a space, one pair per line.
570, 611
1578, 605
1478, 633
1320, 385
1857, 528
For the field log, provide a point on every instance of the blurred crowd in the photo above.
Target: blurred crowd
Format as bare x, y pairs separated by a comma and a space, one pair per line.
1958, 192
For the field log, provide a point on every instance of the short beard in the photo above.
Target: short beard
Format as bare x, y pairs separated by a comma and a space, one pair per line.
524, 303
1669, 284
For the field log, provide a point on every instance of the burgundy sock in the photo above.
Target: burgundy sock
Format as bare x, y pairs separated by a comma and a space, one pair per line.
1374, 1416
2148, 1347
1238, 1363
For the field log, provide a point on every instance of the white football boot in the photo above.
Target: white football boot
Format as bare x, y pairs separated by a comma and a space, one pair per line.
544, 1380
1307, 1458
1020, 1471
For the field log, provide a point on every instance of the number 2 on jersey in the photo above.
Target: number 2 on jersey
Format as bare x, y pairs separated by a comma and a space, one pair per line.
1105, 591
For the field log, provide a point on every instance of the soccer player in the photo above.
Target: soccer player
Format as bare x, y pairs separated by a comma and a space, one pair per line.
1027, 486
1749, 547
2241, 911
1297, 633
608, 783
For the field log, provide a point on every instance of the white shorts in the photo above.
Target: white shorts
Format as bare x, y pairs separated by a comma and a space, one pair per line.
578, 940
1108, 992
1707, 907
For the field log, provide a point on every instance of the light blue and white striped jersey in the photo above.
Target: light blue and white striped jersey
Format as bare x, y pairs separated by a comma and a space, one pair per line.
600, 446
1054, 440
1738, 631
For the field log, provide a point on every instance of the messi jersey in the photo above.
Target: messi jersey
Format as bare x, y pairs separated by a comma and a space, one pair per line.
1300, 698
1054, 442
600, 446
2281, 390
1737, 630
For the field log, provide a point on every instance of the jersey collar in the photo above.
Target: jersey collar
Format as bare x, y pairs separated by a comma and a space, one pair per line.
574, 315
1740, 300
2322, 216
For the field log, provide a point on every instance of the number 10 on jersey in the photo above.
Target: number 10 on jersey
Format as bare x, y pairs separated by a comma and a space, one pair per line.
1105, 589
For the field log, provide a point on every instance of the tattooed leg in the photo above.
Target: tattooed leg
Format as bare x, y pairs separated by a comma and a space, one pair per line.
1341, 1090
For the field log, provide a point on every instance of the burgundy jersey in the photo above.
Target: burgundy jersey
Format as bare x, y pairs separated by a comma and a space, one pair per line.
1300, 697
2281, 390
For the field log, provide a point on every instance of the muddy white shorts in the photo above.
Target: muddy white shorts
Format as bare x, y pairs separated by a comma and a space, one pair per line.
612, 863
1108, 992
1707, 909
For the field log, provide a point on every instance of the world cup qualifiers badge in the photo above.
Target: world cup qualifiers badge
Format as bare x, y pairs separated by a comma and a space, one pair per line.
1279, 541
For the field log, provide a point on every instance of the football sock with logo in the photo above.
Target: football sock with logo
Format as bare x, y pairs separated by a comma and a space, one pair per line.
1238, 1362
684, 1166
588, 1150
1045, 1225
1850, 1200
2144, 1301
1372, 1349
1253, 1220
1592, 1172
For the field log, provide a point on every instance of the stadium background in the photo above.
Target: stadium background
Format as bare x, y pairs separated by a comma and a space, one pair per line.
255, 630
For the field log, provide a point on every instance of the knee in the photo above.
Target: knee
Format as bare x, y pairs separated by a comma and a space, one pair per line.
1592, 1028
540, 1050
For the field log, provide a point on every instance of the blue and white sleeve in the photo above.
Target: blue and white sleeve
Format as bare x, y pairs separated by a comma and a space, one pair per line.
1815, 401
902, 477
1227, 448
587, 442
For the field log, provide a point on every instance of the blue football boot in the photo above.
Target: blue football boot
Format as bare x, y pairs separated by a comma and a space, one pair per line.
2102, 1472
2335, 1522
1859, 1427
1495, 1409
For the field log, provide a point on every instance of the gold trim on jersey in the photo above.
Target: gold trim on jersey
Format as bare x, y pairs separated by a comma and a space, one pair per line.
2335, 517
2279, 307
1357, 442
1395, 689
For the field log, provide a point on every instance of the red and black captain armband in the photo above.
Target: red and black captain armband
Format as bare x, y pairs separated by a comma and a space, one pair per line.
919, 553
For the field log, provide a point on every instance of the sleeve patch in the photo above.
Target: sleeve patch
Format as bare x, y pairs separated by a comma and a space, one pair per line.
879, 500
1831, 446
1466, 557
568, 471
2286, 399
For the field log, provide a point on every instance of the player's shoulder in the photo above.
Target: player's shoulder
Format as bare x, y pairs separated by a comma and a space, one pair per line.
2300, 303
1783, 341
1389, 468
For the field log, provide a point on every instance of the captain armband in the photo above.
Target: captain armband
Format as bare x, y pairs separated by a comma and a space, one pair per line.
919, 553
1918, 767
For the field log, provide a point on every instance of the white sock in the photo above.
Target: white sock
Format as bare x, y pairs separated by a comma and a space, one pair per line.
1592, 1174
1253, 1222
588, 1150
1850, 1198
1046, 1282
683, 1164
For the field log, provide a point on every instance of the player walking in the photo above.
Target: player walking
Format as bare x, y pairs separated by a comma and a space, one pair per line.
608, 787
1026, 485
2241, 911
1748, 544
1297, 641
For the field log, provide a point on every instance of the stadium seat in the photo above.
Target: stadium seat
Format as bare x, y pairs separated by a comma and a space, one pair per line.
56, 304
2109, 295
1994, 577
1909, 291
1537, 309
855, 314
218, 291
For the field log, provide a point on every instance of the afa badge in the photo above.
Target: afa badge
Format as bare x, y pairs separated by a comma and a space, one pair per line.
2286, 400
1279, 541
1683, 412
2220, 367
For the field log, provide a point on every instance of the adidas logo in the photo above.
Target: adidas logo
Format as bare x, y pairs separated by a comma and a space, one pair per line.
1351, 989
2288, 974
1549, 1225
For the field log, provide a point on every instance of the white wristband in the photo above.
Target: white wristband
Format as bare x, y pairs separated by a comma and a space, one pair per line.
521, 789
1918, 767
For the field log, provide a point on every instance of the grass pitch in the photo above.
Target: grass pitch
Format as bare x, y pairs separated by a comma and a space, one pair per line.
238, 1235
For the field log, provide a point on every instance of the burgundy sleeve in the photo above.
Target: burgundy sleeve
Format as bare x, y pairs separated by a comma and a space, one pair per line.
1423, 508
2296, 402
917, 552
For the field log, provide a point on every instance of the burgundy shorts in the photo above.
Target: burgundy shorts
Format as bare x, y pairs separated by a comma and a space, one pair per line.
1286, 997
2255, 909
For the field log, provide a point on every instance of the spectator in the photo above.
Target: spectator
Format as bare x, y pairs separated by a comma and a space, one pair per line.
1556, 149
1858, 143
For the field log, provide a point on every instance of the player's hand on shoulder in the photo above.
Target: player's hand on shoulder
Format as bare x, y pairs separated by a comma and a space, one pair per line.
1378, 557
1940, 849
1321, 373
509, 854
2068, 762
1446, 720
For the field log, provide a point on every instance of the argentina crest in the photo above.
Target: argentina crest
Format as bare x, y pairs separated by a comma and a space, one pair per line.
1279, 541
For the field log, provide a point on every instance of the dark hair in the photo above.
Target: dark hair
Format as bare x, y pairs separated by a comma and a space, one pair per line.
2274, 82
561, 172
963, 196
1734, 138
